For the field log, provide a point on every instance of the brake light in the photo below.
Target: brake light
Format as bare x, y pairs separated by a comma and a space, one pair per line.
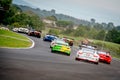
95, 56
80, 52
68, 48
53, 43
107, 55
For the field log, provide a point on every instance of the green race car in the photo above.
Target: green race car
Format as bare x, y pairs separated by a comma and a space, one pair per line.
60, 46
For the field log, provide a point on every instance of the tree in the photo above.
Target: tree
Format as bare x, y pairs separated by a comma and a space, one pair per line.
4, 9
93, 21
53, 18
53, 11
110, 26
64, 23
81, 31
98, 26
68, 31
5, 4
113, 36
53, 31
101, 34
36, 23
118, 28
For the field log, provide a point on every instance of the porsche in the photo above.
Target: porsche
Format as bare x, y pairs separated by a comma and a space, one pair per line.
49, 37
60, 46
87, 53
105, 56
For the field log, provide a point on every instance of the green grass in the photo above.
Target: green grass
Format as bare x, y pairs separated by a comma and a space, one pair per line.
13, 34
112, 47
13, 40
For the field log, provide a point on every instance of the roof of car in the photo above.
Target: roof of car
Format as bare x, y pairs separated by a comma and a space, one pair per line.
61, 41
87, 46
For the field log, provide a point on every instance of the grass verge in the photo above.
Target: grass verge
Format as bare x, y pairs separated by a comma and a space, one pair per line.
13, 40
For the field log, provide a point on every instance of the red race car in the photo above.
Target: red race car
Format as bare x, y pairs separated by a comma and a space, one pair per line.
105, 56
35, 33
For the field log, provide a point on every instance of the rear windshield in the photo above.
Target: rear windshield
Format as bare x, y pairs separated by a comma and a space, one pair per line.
101, 52
62, 43
88, 50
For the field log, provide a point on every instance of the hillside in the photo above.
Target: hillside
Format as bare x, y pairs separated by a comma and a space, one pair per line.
45, 13
91, 23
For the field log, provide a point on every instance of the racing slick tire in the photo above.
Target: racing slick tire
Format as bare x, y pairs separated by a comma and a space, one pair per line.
68, 54
52, 51
96, 63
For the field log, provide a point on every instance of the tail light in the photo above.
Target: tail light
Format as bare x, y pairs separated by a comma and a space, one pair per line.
80, 52
53, 43
68, 48
95, 56
107, 55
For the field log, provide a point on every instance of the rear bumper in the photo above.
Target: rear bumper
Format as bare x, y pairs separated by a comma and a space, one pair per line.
105, 60
63, 51
88, 60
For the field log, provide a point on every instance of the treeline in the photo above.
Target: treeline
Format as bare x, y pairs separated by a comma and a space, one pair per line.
92, 32
106, 32
14, 17
112, 35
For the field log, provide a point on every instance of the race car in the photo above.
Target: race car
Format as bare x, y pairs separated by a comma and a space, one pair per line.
105, 56
23, 30
87, 53
35, 33
60, 46
15, 29
68, 40
49, 37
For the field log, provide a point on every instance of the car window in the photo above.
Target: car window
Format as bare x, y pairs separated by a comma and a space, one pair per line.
101, 52
88, 50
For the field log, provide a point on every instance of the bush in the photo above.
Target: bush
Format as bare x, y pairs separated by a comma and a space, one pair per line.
54, 31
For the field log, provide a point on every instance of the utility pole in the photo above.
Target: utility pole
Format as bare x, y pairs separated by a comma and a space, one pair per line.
104, 40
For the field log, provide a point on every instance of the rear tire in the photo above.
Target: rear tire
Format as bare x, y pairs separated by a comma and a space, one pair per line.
76, 59
108, 63
96, 63
68, 54
38, 36
52, 51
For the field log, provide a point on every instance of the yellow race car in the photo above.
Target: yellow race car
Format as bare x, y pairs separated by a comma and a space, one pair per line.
60, 46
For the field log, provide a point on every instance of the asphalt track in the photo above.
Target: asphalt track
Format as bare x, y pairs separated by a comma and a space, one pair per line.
39, 63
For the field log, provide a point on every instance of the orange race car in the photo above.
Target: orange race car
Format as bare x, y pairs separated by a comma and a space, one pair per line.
35, 33
68, 40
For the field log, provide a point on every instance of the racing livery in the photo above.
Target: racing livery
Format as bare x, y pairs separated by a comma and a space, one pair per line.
68, 40
88, 53
21, 30
49, 37
60, 46
105, 56
35, 33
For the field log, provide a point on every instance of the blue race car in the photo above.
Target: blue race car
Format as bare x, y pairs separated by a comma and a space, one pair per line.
49, 37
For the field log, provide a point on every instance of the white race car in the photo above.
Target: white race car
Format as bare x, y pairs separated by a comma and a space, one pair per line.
15, 29
23, 30
88, 54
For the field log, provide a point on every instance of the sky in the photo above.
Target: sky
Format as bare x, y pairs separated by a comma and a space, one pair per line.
101, 10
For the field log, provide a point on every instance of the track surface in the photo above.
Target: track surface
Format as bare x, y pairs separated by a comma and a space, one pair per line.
39, 63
